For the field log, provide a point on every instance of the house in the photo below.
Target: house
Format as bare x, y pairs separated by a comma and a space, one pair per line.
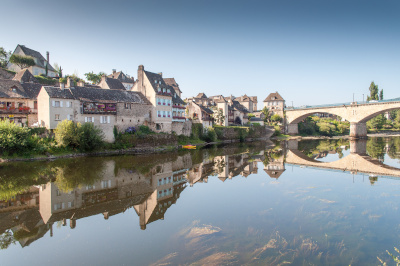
250, 102
40, 62
275, 104
111, 84
126, 80
105, 108
18, 98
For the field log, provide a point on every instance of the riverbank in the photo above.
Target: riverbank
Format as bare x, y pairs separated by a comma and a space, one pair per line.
129, 151
375, 134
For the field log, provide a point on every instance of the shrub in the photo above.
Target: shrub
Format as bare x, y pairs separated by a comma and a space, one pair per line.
211, 136
130, 130
14, 139
91, 137
68, 134
45, 80
145, 129
276, 118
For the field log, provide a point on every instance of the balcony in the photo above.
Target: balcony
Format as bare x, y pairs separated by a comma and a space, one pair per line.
16, 110
179, 107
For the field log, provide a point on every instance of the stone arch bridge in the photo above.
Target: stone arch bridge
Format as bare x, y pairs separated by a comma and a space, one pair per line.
356, 113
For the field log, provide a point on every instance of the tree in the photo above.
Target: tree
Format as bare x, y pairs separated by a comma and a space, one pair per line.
6, 239
267, 114
68, 134
4, 55
219, 117
373, 90
276, 118
381, 95
22, 61
94, 78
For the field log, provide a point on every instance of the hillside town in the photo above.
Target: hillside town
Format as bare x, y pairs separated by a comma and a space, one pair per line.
118, 100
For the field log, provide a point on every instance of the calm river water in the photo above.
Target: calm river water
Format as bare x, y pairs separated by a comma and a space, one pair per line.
319, 202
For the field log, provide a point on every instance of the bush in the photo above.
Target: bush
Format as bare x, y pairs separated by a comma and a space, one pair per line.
14, 139
68, 134
276, 118
197, 131
211, 136
45, 80
145, 129
91, 137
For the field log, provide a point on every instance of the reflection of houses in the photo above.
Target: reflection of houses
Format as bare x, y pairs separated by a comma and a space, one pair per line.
275, 167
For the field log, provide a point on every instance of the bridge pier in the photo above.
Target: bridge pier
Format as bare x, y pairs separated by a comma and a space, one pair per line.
358, 130
292, 129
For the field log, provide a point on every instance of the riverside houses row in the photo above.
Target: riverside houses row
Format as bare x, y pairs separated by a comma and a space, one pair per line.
104, 108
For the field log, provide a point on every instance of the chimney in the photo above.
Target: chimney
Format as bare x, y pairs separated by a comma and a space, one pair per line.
81, 83
160, 74
114, 71
70, 83
62, 85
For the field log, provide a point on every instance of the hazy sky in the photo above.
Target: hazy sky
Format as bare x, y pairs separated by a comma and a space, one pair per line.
311, 52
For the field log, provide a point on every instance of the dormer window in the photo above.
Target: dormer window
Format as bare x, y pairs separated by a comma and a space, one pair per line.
160, 82
14, 88
155, 81
168, 91
159, 89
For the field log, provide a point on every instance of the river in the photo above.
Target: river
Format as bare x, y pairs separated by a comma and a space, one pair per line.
315, 202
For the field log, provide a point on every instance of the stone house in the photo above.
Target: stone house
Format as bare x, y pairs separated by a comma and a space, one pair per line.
275, 104
104, 108
40, 62
126, 80
111, 84
250, 102
18, 98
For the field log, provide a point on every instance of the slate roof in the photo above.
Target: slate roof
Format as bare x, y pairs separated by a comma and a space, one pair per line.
275, 96
175, 98
205, 109
243, 98
32, 89
114, 84
12, 89
239, 107
153, 77
40, 59
172, 82
4, 74
89, 94
121, 77
25, 76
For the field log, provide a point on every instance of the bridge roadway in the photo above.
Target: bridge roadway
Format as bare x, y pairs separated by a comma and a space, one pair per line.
356, 113
356, 162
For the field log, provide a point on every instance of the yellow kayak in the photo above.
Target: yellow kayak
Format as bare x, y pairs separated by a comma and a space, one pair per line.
189, 147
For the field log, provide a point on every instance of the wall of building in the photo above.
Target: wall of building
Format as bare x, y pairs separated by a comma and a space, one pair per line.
44, 108
182, 128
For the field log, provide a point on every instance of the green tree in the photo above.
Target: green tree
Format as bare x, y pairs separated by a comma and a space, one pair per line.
68, 134
381, 95
276, 118
22, 61
94, 78
13, 138
376, 122
6, 239
91, 137
267, 114
4, 55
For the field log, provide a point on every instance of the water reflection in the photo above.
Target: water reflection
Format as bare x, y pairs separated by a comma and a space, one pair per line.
38, 196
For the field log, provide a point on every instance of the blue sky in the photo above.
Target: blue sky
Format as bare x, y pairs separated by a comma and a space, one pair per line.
311, 52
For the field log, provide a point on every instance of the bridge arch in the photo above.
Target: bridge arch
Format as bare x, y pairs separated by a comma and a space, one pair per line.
302, 117
373, 114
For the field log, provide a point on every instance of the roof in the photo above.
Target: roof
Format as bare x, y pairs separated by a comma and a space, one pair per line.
239, 107
12, 89
205, 109
89, 94
4, 74
201, 95
156, 81
40, 59
274, 173
175, 98
32, 89
275, 96
243, 98
114, 84
25, 76
121, 77
172, 82
255, 119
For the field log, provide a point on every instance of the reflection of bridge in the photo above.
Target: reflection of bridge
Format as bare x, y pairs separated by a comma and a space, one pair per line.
357, 114
356, 162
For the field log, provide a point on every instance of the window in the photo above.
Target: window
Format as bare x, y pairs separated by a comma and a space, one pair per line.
58, 193
106, 184
69, 104
70, 204
159, 113
57, 117
89, 119
69, 117
57, 104
127, 106
105, 119
163, 113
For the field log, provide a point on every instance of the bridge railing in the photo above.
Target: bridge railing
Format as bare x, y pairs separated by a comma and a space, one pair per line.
340, 104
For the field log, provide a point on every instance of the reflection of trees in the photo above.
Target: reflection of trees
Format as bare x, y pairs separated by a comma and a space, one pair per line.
76, 172
6, 239
376, 148
393, 147
17, 178
315, 147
